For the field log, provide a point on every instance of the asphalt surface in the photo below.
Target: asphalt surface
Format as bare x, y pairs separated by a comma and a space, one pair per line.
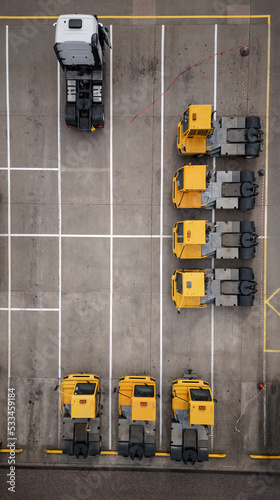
59, 224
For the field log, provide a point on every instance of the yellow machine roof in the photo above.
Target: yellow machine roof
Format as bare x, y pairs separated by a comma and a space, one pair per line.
194, 232
195, 177
200, 116
193, 284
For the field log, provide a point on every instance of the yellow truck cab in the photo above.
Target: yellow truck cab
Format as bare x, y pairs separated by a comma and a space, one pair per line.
79, 406
137, 416
193, 128
192, 415
200, 239
198, 133
187, 185
222, 287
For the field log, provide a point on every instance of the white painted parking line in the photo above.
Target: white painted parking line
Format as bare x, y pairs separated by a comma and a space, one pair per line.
161, 227
111, 241
23, 169
9, 202
213, 220
28, 309
59, 238
55, 235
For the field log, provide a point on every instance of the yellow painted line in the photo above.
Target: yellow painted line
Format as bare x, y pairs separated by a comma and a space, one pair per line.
271, 296
53, 451
162, 454
273, 308
108, 453
265, 457
217, 455
7, 450
265, 16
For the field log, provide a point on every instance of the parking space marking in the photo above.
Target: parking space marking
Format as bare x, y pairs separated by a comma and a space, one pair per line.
59, 239
22, 169
161, 229
9, 202
28, 309
111, 242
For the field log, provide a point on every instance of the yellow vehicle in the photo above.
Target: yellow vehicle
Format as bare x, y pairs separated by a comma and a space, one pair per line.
199, 134
137, 416
80, 406
195, 187
192, 415
221, 287
199, 239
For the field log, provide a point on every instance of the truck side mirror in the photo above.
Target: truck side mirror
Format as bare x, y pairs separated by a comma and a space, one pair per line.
215, 401
56, 387
115, 389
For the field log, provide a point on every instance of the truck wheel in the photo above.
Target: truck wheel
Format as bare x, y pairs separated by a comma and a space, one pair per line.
70, 115
247, 176
252, 150
245, 300
98, 116
246, 203
246, 253
247, 226
253, 122
246, 274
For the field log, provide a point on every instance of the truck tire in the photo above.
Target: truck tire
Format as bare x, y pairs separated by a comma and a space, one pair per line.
247, 176
246, 203
245, 300
247, 226
246, 253
98, 116
70, 115
253, 122
246, 274
252, 150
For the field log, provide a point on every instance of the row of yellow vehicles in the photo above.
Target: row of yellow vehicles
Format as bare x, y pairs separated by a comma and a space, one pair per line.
192, 416
195, 186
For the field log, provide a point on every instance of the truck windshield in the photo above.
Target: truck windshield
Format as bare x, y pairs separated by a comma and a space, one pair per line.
180, 179
85, 388
180, 232
179, 281
144, 391
200, 395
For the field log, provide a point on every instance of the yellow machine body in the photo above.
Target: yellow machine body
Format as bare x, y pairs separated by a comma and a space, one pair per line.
143, 408
195, 397
188, 184
188, 287
81, 391
193, 128
187, 238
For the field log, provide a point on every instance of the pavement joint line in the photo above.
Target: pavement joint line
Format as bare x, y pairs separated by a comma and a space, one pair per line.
111, 243
161, 231
59, 241
9, 205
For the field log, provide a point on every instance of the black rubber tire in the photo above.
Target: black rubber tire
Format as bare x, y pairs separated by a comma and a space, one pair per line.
252, 150
70, 115
98, 116
253, 122
247, 176
246, 274
247, 226
246, 253
245, 300
246, 203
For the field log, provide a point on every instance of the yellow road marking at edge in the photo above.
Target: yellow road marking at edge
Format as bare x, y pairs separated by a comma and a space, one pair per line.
265, 457
265, 16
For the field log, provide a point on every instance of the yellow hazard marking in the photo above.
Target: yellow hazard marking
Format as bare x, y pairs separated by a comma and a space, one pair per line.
265, 457
7, 450
53, 451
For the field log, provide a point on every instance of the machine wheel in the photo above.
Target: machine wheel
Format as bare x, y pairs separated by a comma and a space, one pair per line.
246, 253
245, 300
246, 203
252, 150
98, 116
247, 226
247, 176
253, 122
70, 115
246, 274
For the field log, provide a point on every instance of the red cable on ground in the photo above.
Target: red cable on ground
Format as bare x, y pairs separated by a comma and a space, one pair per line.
180, 74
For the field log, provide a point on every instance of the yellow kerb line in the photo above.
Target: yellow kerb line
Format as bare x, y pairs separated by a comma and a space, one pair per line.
53, 451
265, 16
158, 454
265, 457
7, 450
